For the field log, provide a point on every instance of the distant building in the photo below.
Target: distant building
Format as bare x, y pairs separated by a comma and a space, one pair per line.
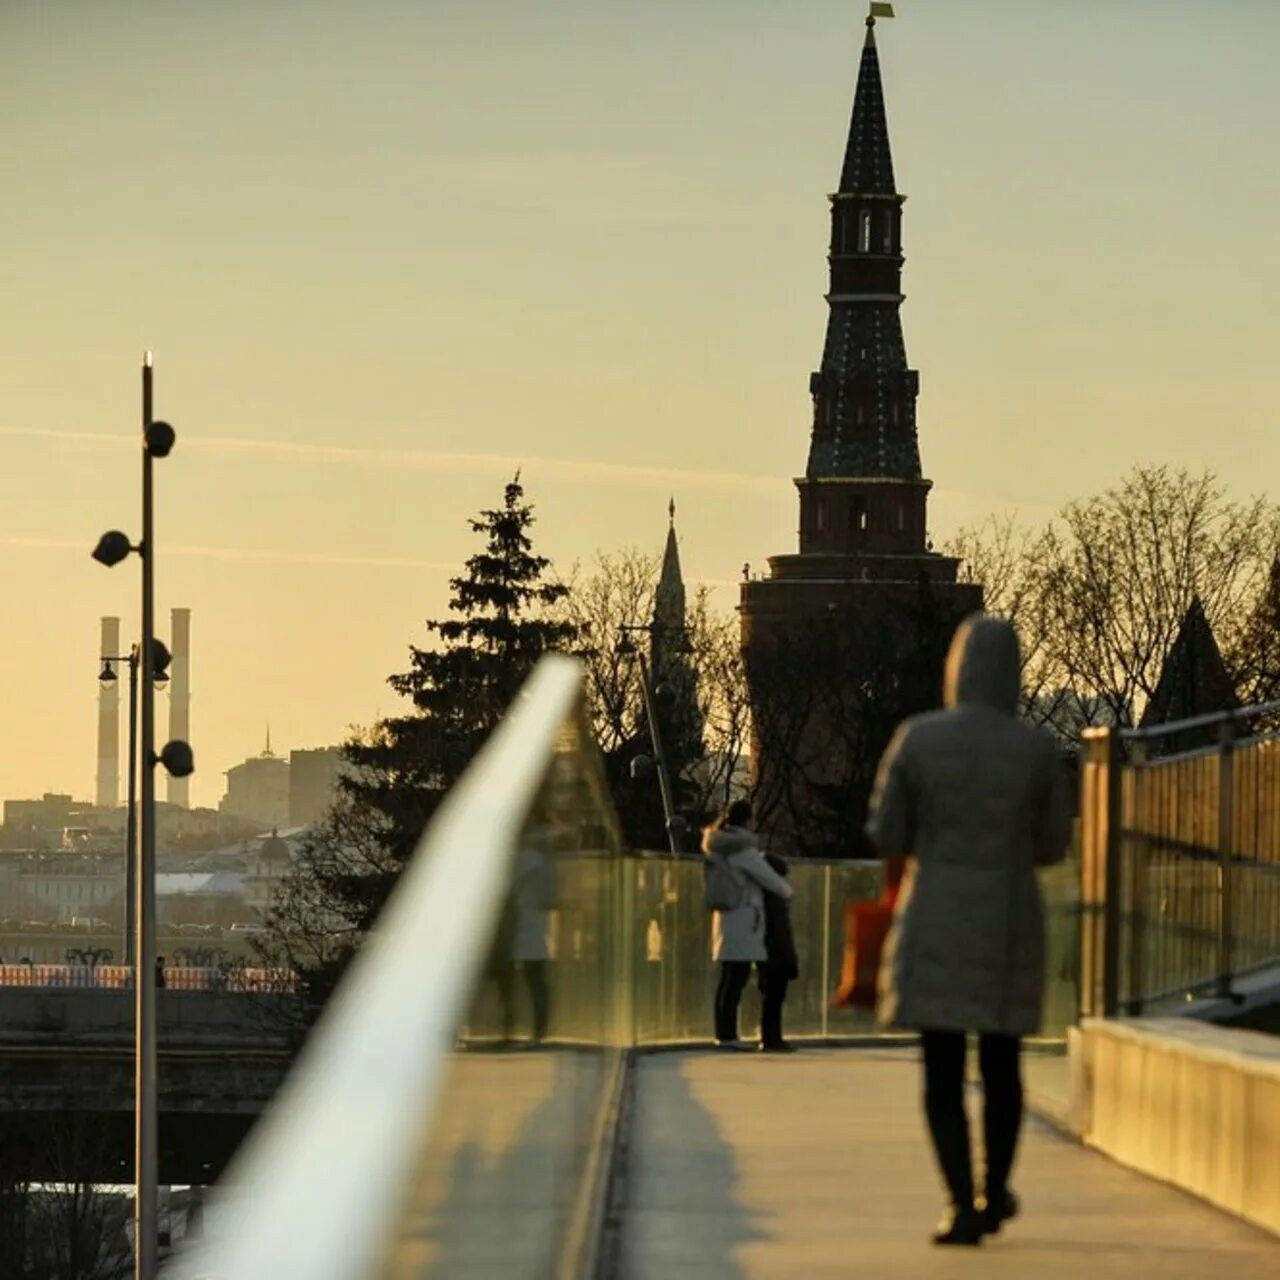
32, 823
258, 790
313, 784
60, 886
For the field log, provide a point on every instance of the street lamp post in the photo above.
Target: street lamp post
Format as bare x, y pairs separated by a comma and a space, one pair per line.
133, 659
628, 648
113, 547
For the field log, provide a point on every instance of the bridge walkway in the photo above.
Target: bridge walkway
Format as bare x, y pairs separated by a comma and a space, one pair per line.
743, 1167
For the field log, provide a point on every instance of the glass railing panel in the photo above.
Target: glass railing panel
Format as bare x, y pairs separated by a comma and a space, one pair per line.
675, 977
499, 1180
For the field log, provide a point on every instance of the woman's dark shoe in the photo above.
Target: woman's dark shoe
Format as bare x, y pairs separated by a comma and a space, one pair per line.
777, 1046
960, 1226
998, 1210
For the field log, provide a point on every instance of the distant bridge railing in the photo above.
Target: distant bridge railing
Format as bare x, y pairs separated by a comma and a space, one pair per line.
235, 978
1180, 873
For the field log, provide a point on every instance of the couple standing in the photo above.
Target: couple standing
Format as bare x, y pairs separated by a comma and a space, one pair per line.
977, 800
757, 930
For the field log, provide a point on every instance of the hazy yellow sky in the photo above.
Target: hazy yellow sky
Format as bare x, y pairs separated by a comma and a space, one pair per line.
386, 250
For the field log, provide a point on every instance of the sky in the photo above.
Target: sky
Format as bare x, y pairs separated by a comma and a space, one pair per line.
386, 252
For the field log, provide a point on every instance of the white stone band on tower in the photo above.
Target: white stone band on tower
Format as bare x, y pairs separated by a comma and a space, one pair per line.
107, 792
180, 697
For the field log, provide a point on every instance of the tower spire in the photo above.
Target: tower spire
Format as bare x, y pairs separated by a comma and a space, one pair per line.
864, 394
868, 162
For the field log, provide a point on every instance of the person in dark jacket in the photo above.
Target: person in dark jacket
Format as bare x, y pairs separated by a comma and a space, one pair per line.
780, 967
978, 799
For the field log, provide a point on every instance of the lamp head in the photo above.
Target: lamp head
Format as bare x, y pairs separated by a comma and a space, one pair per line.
626, 646
159, 437
108, 674
178, 759
112, 548
160, 659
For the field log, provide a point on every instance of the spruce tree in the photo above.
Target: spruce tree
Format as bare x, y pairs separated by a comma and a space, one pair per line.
498, 625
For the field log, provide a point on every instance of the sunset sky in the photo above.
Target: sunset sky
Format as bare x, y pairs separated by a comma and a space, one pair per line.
386, 252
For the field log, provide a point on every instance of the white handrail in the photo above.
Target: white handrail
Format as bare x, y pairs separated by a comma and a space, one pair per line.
316, 1193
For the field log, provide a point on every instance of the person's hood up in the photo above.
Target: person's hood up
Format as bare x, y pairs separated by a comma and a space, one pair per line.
726, 841
984, 665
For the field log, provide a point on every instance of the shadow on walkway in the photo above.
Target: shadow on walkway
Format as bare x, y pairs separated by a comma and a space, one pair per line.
683, 1216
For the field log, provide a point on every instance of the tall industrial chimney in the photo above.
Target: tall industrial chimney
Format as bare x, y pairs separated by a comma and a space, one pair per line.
180, 697
108, 789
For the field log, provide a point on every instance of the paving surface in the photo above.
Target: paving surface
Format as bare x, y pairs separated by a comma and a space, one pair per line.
817, 1165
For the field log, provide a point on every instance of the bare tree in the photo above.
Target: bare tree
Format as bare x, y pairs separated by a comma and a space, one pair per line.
1099, 594
615, 593
65, 1226
724, 703
1007, 560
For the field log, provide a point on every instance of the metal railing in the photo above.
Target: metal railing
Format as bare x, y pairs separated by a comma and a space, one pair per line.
119, 977
1180, 874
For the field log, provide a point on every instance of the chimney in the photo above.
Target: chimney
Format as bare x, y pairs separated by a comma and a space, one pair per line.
108, 790
180, 696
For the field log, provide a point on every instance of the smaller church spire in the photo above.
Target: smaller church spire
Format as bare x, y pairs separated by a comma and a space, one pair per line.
669, 598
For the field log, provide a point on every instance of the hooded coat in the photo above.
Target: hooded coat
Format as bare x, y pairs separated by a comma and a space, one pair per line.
740, 934
979, 800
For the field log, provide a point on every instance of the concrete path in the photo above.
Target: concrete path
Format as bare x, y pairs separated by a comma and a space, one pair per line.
745, 1167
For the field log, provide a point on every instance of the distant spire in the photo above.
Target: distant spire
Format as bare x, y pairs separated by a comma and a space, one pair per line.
868, 163
668, 600
267, 752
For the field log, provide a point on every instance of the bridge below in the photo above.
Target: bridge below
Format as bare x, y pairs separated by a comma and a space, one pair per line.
742, 1167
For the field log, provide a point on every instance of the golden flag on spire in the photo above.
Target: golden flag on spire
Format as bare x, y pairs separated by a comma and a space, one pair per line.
881, 10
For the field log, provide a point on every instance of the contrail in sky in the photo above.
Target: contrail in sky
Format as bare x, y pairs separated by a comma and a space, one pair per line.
440, 461
239, 553
443, 462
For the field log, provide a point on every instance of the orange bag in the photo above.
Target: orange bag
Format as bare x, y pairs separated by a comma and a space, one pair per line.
866, 926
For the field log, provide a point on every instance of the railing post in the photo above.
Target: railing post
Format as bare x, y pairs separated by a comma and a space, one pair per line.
1138, 849
826, 950
1112, 918
1226, 876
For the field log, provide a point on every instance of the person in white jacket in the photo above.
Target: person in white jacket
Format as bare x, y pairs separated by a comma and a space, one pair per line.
738, 936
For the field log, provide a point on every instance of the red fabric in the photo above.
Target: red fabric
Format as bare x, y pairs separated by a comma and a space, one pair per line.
866, 925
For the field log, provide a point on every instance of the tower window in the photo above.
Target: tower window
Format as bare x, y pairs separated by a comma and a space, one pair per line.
864, 235
821, 516
888, 233
858, 515
902, 517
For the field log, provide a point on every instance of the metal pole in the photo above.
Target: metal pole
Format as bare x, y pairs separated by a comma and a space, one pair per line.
146, 1161
664, 783
1226, 878
131, 820
1112, 921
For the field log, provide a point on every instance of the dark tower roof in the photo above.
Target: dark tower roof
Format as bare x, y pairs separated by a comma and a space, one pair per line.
1194, 679
864, 393
274, 849
868, 162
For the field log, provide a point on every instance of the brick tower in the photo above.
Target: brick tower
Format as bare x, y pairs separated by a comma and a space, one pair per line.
845, 636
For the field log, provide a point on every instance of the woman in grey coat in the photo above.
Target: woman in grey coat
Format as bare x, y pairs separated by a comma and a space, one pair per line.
738, 936
979, 800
